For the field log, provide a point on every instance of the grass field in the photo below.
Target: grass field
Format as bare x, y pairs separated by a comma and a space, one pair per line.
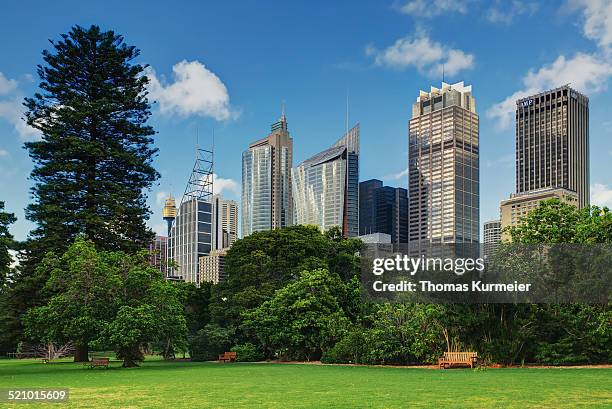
159, 384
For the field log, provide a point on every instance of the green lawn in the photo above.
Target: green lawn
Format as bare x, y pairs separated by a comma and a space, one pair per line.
158, 384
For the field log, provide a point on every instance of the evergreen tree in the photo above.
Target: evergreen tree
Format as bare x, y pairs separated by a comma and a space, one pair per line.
6, 243
93, 163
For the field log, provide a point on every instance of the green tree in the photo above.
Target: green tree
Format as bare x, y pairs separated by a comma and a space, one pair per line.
303, 319
87, 286
93, 162
554, 221
6, 243
105, 298
265, 261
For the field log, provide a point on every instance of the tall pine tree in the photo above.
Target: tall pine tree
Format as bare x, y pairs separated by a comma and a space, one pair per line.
93, 165
6, 243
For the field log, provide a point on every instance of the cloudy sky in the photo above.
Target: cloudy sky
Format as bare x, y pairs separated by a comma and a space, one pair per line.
228, 67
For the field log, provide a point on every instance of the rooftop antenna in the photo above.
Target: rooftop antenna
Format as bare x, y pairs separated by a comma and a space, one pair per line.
442, 73
283, 109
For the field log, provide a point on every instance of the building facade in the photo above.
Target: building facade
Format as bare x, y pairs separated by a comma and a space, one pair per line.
326, 187
552, 143
383, 209
212, 267
491, 237
266, 181
224, 222
190, 239
158, 249
513, 210
443, 165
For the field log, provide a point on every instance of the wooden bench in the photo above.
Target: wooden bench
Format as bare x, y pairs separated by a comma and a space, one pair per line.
98, 362
457, 358
228, 357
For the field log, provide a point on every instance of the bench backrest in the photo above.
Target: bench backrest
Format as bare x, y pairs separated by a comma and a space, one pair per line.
100, 360
460, 356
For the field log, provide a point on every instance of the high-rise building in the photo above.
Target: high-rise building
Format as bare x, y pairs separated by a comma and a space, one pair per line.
367, 205
383, 209
552, 143
158, 249
212, 266
225, 222
191, 234
552, 153
491, 237
443, 163
326, 187
266, 181
513, 210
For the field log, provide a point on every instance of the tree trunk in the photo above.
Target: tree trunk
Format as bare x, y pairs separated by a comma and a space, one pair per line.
129, 363
81, 353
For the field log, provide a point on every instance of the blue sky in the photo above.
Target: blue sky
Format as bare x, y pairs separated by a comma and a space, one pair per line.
229, 67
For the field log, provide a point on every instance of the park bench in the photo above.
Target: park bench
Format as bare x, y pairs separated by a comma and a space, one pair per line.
98, 362
457, 358
228, 357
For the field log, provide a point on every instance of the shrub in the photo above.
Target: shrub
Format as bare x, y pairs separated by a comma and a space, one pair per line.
209, 342
247, 353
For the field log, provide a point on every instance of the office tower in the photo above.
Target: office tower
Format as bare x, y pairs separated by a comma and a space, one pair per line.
212, 266
326, 187
266, 181
443, 164
191, 234
552, 143
367, 205
383, 209
225, 222
158, 249
491, 237
519, 205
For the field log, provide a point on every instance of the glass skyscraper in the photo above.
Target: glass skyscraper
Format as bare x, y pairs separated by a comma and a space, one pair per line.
190, 239
326, 187
443, 164
383, 209
266, 181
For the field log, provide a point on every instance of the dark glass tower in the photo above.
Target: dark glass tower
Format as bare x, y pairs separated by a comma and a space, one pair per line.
383, 209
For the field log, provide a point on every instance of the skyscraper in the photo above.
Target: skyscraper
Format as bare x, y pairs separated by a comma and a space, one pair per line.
552, 142
266, 181
326, 187
191, 234
225, 222
443, 164
552, 153
491, 237
383, 209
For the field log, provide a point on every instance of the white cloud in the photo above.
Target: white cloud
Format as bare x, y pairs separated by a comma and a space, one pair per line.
160, 198
597, 19
431, 8
425, 55
3, 152
221, 185
195, 90
12, 111
601, 195
395, 176
7, 85
585, 72
504, 13
161, 229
